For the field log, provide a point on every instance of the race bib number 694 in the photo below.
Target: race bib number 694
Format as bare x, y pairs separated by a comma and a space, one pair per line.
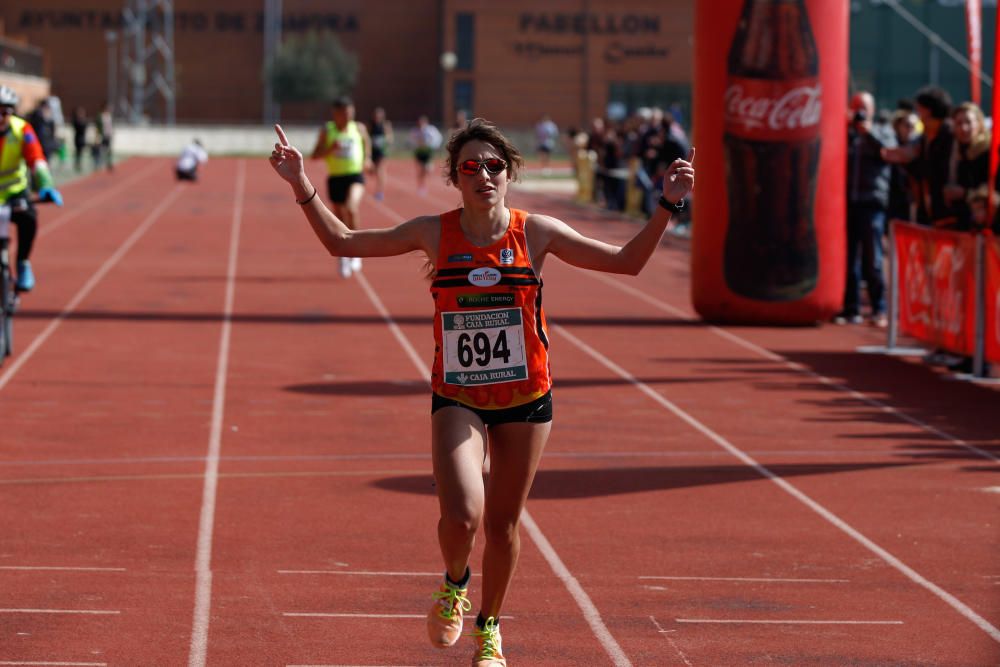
483, 346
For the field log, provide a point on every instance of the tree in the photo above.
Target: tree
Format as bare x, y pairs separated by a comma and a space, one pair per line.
313, 68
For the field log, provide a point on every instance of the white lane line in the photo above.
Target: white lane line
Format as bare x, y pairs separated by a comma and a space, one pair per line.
365, 573
767, 354
666, 635
769, 580
853, 453
832, 518
587, 606
743, 621
583, 601
57, 568
86, 612
22, 358
206, 523
319, 614
52, 225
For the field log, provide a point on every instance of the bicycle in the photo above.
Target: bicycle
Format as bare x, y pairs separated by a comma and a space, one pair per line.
9, 294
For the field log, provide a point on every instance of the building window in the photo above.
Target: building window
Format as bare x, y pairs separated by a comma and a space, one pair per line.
673, 97
462, 97
465, 40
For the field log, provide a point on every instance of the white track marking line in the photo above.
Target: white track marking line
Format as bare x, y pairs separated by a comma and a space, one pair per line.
587, 606
666, 635
206, 523
767, 354
426, 457
320, 614
68, 216
86, 612
768, 580
365, 573
56, 568
583, 601
738, 621
22, 358
832, 518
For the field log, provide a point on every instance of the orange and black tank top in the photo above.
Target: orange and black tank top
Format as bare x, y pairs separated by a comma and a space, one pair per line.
491, 346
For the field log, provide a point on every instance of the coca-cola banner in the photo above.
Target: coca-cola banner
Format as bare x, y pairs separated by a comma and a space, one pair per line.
993, 299
937, 286
770, 100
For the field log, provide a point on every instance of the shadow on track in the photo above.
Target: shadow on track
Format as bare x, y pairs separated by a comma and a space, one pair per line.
597, 482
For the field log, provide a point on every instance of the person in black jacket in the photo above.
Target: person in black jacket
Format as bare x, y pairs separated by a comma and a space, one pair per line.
868, 176
969, 167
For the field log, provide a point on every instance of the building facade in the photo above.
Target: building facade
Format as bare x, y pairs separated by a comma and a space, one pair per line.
512, 60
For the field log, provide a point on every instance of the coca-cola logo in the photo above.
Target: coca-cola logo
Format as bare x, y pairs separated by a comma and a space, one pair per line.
933, 292
786, 111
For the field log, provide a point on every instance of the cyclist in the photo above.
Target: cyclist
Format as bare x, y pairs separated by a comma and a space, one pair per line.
21, 163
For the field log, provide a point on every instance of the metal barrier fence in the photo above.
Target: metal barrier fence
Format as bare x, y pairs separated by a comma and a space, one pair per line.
944, 290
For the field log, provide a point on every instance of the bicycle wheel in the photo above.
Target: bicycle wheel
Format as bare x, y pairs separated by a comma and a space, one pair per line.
6, 313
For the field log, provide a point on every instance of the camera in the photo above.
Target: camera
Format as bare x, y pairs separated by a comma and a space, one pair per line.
860, 116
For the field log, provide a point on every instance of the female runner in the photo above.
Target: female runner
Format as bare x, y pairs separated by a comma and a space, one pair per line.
491, 381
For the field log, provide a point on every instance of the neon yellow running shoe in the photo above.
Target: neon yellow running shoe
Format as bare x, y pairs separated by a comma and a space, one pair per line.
488, 652
444, 620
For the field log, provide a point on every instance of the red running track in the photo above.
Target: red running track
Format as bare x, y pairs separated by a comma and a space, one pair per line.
215, 452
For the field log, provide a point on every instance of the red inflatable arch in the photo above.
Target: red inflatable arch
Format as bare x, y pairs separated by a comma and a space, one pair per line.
768, 242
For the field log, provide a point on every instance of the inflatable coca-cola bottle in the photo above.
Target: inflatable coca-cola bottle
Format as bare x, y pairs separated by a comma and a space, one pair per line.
773, 102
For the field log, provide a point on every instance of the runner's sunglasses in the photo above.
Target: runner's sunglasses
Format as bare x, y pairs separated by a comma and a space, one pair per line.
494, 165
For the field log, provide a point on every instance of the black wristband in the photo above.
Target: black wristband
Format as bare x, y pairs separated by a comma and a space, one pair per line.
673, 208
307, 199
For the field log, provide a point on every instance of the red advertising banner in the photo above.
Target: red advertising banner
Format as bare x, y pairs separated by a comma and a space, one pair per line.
974, 32
992, 329
995, 108
937, 286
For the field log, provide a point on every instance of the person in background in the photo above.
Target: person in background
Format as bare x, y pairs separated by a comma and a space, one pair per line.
346, 147
546, 133
969, 167
382, 140
902, 187
22, 163
79, 136
425, 139
105, 138
43, 122
930, 159
192, 156
868, 176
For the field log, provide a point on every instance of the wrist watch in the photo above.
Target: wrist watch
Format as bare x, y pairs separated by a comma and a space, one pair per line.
670, 206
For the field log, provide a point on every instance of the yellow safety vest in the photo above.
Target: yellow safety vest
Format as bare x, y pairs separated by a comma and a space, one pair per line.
349, 157
13, 169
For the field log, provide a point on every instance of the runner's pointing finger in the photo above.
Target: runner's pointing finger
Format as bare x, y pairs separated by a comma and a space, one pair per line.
281, 135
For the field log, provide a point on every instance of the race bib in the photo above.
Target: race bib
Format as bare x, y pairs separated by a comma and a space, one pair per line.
345, 147
483, 347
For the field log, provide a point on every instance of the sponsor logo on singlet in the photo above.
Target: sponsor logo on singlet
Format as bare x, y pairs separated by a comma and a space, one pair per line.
506, 256
460, 258
484, 277
484, 300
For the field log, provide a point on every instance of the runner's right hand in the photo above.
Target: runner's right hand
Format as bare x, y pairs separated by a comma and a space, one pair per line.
285, 159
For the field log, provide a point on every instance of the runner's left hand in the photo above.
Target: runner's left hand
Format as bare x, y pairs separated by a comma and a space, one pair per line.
678, 181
